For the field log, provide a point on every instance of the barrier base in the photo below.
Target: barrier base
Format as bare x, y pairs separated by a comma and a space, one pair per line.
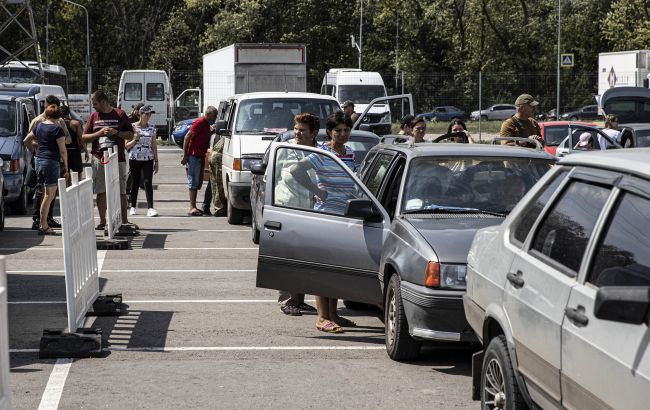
57, 344
112, 244
107, 305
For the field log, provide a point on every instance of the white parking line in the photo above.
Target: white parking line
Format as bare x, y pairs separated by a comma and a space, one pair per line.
218, 349
55, 384
159, 301
46, 248
143, 270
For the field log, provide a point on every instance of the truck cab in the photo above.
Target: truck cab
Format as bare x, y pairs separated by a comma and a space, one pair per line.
249, 122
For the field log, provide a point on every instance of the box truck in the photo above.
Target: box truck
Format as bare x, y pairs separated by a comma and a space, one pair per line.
245, 68
623, 69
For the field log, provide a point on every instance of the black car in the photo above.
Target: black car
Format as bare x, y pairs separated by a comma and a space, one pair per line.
588, 112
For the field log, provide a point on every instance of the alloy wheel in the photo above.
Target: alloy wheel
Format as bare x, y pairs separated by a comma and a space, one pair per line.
391, 317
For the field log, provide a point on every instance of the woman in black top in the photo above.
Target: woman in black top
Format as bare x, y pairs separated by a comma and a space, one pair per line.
75, 147
48, 140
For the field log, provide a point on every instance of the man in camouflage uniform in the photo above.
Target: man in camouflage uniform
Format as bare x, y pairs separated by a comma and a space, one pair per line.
216, 182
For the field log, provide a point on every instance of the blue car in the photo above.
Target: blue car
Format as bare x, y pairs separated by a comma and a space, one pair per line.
446, 113
181, 129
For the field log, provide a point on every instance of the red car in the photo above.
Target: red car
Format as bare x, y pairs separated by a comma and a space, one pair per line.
554, 132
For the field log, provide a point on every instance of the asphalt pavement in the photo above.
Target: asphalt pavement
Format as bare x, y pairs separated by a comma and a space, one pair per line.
198, 333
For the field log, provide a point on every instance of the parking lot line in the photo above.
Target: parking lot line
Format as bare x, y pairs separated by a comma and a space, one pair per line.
159, 301
49, 248
143, 270
239, 348
55, 384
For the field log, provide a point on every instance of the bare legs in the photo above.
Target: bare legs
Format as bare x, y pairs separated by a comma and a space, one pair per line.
48, 197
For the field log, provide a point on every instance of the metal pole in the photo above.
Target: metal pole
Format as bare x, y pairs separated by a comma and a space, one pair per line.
402, 93
88, 69
397, 52
557, 107
47, 32
480, 102
360, 32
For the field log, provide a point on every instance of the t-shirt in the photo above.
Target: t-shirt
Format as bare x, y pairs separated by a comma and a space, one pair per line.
46, 135
509, 129
611, 133
41, 117
115, 119
143, 148
200, 141
330, 177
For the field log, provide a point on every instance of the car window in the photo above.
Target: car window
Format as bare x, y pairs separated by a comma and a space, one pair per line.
554, 135
565, 231
535, 207
298, 173
365, 165
391, 193
623, 256
132, 92
377, 173
155, 92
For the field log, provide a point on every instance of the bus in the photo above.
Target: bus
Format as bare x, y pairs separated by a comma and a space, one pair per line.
27, 72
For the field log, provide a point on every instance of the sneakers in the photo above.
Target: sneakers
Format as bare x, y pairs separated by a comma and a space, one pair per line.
53, 223
132, 211
152, 212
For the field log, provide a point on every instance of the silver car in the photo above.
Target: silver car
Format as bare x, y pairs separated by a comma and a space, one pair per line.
559, 293
396, 237
495, 112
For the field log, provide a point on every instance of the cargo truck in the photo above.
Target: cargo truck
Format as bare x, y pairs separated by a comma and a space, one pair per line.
245, 68
623, 69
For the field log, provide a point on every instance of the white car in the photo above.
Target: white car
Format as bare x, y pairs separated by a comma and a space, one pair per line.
495, 112
559, 293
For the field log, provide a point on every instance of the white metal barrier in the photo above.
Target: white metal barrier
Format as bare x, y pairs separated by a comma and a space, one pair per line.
79, 247
5, 391
113, 197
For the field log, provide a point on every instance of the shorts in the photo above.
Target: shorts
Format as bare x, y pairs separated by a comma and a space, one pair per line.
99, 180
195, 172
48, 171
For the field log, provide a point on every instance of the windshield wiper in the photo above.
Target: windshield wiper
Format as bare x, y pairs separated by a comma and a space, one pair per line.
434, 209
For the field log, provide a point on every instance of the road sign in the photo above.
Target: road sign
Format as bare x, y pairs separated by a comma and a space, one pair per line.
567, 60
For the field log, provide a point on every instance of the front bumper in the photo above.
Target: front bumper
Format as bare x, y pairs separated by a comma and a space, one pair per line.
239, 194
436, 315
13, 185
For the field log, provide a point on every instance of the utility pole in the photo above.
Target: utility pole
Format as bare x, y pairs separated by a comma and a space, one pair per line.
19, 16
360, 32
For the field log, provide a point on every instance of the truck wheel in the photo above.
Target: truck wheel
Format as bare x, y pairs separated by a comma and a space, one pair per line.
235, 216
19, 207
499, 388
399, 343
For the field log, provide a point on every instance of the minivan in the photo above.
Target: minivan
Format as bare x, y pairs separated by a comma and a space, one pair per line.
150, 87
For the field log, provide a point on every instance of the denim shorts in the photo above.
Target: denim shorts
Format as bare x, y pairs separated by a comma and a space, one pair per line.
195, 172
48, 171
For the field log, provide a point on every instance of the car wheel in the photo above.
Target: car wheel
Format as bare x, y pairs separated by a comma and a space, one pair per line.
19, 207
499, 388
255, 233
399, 343
484, 118
352, 305
574, 118
235, 216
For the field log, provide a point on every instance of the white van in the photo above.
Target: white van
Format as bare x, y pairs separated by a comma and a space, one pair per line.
151, 87
36, 91
360, 87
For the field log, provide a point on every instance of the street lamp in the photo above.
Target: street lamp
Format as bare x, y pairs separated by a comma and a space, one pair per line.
88, 69
557, 108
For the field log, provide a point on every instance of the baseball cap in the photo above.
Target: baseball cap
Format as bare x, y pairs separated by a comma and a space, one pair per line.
147, 109
585, 138
526, 99
407, 119
347, 103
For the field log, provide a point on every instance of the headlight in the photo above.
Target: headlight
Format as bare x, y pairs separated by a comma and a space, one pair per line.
386, 117
244, 164
445, 276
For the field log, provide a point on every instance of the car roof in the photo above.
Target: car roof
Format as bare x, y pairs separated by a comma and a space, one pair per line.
478, 150
633, 161
561, 123
281, 94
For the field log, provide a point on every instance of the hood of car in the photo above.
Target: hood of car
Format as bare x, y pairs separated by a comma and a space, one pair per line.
8, 147
452, 237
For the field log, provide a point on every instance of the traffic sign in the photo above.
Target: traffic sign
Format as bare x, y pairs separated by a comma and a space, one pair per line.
567, 60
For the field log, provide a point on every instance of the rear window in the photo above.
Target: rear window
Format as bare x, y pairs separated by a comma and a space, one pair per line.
155, 92
132, 92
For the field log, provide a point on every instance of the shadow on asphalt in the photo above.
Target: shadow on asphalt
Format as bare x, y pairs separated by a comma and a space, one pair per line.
22, 239
136, 329
26, 287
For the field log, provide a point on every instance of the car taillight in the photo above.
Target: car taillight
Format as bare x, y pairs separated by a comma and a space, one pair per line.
432, 275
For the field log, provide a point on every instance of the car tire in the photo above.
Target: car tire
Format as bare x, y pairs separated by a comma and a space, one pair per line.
400, 346
235, 216
484, 118
352, 305
19, 206
502, 391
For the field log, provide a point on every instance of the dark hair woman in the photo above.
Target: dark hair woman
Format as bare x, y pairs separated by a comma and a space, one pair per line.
457, 126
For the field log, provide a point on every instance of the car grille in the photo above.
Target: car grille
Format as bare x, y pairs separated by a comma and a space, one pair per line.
371, 118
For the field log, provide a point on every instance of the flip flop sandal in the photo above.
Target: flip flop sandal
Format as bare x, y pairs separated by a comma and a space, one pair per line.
343, 322
48, 231
290, 310
307, 308
329, 327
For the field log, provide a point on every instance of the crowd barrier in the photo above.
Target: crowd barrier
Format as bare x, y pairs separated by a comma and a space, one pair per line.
113, 197
79, 247
5, 391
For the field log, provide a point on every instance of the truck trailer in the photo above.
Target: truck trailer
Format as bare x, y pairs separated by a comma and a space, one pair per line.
244, 68
623, 69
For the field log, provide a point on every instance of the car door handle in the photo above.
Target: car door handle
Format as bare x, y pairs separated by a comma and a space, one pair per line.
516, 279
576, 316
273, 226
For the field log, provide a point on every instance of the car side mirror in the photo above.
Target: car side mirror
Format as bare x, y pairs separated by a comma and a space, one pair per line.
625, 304
220, 126
258, 168
365, 127
362, 208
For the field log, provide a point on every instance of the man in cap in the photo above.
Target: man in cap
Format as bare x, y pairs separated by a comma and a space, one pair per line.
522, 124
348, 109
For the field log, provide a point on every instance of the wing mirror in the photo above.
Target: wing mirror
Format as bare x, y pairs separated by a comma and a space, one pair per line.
220, 126
623, 304
364, 209
258, 168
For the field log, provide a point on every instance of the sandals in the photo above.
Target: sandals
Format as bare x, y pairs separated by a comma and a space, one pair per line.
328, 326
47, 231
343, 322
306, 308
196, 212
290, 310
100, 227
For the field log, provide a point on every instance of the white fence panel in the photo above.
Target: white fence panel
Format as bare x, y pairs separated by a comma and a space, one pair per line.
5, 391
79, 247
113, 197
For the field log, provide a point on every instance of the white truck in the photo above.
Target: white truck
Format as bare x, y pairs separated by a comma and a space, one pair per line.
244, 68
150, 87
623, 69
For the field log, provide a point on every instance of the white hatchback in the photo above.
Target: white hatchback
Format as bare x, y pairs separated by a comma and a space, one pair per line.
559, 293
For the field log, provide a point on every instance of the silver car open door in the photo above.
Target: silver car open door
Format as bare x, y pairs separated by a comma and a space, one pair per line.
326, 245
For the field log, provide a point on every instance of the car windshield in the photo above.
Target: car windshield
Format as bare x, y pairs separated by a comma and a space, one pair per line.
553, 136
276, 115
361, 94
470, 184
7, 118
643, 138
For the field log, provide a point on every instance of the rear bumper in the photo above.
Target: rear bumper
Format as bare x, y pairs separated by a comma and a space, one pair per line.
239, 194
436, 314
